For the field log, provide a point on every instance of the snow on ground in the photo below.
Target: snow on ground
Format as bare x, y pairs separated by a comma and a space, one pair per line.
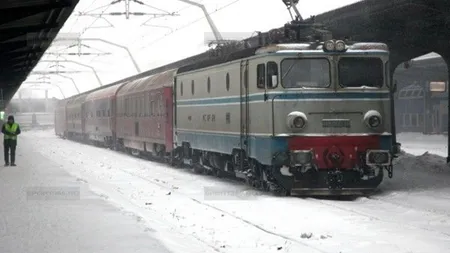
409, 214
417, 144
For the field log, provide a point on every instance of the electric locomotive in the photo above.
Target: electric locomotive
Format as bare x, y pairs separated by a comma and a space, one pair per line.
307, 115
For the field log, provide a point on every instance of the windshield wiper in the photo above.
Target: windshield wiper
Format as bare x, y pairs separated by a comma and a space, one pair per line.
289, 70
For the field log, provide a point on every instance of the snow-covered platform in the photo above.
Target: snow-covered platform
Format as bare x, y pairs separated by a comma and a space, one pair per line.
44, 209
141, 205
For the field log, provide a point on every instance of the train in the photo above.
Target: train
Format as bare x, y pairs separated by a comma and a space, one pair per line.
295, 116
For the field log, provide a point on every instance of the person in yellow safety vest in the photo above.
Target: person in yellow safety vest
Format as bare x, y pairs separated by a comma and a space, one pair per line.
10, 131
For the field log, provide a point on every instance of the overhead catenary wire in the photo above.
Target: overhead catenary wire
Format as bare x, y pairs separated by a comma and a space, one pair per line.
105, 8
188, 24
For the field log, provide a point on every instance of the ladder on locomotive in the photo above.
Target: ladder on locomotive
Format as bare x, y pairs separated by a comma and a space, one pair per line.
245, 116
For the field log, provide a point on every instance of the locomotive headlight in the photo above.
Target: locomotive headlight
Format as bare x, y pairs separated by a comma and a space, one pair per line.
373, 119
329, 45
299, 122
296, 120
340, 45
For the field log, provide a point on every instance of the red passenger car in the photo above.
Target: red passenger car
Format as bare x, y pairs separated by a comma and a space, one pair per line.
100, 108
144, 114
75, 117
60, 118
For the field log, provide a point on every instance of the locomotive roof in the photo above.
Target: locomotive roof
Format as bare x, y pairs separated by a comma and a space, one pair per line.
315, 47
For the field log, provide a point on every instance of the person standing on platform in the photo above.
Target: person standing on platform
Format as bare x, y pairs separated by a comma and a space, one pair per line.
10, 130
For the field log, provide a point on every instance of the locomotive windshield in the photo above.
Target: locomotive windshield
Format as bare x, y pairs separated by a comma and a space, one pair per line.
297, 73
357, 72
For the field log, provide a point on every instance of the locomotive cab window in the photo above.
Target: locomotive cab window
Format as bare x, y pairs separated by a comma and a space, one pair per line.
261, 76
358, 72
298, 73
272, 75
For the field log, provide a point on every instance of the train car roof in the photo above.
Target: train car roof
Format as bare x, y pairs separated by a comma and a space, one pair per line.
78, 99
107, 92
156, 81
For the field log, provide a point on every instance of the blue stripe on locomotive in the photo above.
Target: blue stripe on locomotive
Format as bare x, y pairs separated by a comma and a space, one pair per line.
286, 96
262, 148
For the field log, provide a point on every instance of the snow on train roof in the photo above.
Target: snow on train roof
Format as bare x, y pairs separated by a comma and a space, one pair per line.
104, 93
292, 47
164, 79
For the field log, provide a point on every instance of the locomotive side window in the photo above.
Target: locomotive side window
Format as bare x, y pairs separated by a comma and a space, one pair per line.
297, 73
208, 85
192, 87
358, 72
181, 89
227, 81
261, 76
272, 74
